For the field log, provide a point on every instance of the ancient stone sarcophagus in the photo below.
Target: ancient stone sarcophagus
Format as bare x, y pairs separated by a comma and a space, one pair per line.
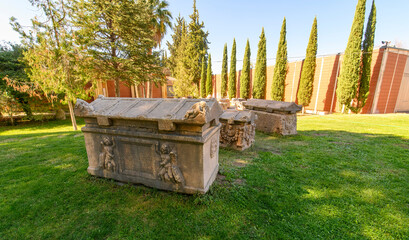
170, 144
274, 116
238, 129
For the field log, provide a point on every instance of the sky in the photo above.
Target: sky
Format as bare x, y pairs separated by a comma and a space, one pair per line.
244, 19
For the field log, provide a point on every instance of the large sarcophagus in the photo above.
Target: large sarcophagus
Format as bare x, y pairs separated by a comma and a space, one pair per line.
170, 144
274, 116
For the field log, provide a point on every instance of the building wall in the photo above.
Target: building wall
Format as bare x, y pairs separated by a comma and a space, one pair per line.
383, 94
386, 90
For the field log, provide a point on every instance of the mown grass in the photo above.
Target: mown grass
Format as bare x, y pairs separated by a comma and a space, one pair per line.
341, 177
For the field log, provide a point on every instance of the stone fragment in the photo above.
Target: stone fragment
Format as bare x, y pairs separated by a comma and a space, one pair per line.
238, 129
238, 103
224, 103
274, 116
169, 144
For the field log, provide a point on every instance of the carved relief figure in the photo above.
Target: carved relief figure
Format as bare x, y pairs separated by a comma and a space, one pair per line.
107, 157
168, 169
198, 109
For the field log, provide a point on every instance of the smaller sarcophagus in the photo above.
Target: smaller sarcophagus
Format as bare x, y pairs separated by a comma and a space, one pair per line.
238, 129
274, 116
170, 144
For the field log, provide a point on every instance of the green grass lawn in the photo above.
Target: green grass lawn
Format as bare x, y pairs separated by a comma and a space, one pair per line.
341, 177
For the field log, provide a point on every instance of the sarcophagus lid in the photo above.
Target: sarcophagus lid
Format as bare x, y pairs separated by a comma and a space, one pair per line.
196, 111
170, 144
272, 106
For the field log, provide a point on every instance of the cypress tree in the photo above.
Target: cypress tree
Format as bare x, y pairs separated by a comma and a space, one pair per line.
232, 75
308, 69
197, 46
203, 79
209, 83
224, 72
363, 90
259, 87
280, 69
349, 75
245, 73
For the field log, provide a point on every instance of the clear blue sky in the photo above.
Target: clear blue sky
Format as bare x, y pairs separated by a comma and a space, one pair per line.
242, 19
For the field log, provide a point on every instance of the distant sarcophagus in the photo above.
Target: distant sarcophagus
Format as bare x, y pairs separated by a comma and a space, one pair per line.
238, 129
169, 144
274, 116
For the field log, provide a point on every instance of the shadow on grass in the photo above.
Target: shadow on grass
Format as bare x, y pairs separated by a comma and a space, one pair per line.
316, 185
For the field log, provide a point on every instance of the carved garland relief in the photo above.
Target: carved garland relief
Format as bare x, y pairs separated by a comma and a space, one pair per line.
240, 135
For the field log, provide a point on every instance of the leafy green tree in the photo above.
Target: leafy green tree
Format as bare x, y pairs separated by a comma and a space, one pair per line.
173, 46
197, 46
160, 21
280, 68
12, 68
209, 82
308, 70
232, 74
349, 75
368, 43
54, 58
203, 79
260, 79
224, 75
118, 36
183, 86
245, 73
192, 48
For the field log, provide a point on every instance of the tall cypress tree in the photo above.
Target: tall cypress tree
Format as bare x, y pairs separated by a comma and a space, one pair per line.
203, 79
363, 90
308, 69
245, 73
232, 75
209, 83
349, 75
259, 87
224, 72
197, 46
280, 69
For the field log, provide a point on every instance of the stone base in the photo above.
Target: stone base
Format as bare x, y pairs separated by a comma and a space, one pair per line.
138, 157
284, 124
99, 172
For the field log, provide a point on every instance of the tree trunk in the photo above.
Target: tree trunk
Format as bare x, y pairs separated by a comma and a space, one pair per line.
11, 118
149, 90
137, 90
117, 88
73, 121
303, 110
343, 109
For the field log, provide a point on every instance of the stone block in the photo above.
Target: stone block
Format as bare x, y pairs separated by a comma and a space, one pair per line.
238, 129
169, 144
274, 116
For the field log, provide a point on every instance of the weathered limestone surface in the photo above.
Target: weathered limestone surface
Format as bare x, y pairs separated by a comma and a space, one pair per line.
238, 129
238, 103
275, 116
224, 103
169, 144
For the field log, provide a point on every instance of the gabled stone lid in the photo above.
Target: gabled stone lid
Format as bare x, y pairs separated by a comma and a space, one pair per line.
231, 115
196, 111
272, 106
